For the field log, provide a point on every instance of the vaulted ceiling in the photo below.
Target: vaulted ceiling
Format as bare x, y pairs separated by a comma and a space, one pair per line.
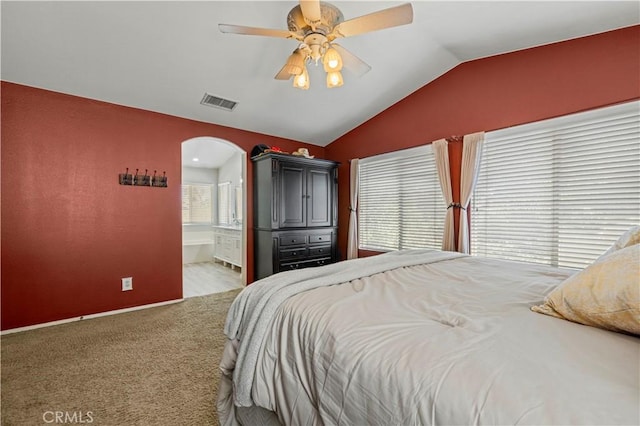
164, 56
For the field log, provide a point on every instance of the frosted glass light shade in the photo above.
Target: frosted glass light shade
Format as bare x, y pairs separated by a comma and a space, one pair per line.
332, 60
334, 79
301, 81
295, 63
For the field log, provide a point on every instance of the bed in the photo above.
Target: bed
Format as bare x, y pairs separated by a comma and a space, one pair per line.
420, 337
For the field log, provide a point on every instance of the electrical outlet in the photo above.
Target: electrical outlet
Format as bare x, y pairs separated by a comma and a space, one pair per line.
127, 283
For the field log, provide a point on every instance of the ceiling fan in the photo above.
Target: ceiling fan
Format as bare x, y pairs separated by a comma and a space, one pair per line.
316, 24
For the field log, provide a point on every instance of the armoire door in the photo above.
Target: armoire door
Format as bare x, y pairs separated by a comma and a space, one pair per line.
319, 197
293, 196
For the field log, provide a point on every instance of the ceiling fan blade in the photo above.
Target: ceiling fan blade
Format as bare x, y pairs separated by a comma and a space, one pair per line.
351, 61
311, 11
239, 29
387, 18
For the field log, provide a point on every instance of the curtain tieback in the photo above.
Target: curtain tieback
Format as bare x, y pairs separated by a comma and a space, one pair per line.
351, 209
456, 206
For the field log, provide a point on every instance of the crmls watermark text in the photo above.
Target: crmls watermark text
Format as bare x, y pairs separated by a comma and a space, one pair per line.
68, 417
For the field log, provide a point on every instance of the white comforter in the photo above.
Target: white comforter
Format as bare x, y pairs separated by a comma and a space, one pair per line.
445, 342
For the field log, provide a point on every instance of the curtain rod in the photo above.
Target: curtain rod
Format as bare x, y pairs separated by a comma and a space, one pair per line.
452, 138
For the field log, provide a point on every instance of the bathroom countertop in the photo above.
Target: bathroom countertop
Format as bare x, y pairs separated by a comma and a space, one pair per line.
231, 227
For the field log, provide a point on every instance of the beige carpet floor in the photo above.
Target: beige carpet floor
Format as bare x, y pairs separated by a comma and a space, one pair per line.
156, 366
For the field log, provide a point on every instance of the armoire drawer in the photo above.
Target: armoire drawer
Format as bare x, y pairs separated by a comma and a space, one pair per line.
289, 266
296, 253
320, 239
315, 251
293, 239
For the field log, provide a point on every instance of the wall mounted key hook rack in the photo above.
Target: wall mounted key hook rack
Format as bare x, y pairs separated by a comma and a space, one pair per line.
125, 178
143, 179
159, 181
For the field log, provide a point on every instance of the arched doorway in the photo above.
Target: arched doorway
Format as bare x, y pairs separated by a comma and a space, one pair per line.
214, 236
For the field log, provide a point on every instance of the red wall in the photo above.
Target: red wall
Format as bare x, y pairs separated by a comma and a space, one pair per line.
494, 93
69, 230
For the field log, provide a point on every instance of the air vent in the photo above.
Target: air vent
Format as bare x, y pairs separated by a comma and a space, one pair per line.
217, 102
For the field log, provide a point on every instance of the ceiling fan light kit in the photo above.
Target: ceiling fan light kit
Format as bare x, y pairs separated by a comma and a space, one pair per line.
301, 81
316, 24
332, 60
295, 63
334, 79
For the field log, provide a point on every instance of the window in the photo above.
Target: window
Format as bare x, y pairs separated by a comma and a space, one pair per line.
239, 203
224, 206
560, 191
400, 203
196, 203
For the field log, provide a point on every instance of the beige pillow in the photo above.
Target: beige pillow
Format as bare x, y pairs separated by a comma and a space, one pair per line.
629, 238
606, 294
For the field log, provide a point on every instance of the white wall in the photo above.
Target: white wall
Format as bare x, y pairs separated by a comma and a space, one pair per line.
199, 175
232, 172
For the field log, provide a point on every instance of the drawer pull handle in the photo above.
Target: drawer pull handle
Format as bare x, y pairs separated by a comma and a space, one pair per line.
295, 254
293, 241
320, 251
319, 238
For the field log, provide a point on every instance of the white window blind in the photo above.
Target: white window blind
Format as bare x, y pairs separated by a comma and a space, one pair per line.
224, 214
559, 191
196, 203
400, 203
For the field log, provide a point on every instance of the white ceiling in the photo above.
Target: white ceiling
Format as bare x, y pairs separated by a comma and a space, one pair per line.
163, 56
207, 152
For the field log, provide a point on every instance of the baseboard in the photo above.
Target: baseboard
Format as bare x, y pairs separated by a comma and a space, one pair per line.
90, 316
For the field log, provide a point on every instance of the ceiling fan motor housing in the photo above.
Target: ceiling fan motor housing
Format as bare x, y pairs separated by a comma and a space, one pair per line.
331, 16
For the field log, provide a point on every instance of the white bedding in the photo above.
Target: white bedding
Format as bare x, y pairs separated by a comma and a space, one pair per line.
450, 342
